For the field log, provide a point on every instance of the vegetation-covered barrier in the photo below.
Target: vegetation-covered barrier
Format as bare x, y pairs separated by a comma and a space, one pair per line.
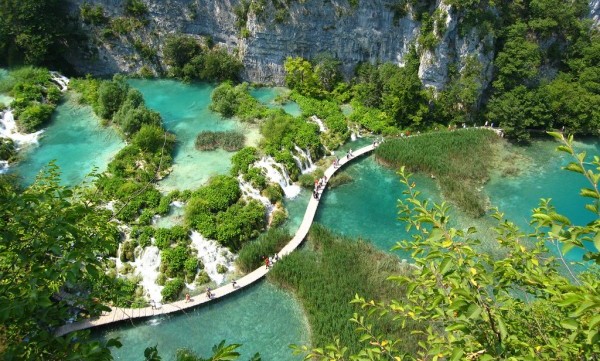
460, 160
328, 273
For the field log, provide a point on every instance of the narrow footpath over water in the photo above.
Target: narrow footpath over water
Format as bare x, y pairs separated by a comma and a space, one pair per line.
118, 314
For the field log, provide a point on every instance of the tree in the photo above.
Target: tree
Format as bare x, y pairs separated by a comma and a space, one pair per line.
300, 76
519, 61
51, 245
518, 307
111, 95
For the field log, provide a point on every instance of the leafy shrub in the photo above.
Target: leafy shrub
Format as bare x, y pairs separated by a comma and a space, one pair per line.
152, 138
173, 261
165, 237
273, 192
242, 160
221, 269
172, 289
127, 252
256, 178
202, 278
251, 254
278, 217
228, 140
92, 14
7, 149
161, 279
34, 117
111, 95
135, 8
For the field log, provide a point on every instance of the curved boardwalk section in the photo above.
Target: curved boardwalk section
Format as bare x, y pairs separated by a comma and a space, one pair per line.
120, 314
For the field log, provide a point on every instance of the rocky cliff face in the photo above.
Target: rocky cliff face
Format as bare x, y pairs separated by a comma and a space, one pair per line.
367, 32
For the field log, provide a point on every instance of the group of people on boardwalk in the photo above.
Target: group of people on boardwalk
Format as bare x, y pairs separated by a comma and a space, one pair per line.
270, 260
319, 186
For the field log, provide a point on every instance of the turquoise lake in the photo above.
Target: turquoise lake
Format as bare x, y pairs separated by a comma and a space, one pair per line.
262, 317
76, 140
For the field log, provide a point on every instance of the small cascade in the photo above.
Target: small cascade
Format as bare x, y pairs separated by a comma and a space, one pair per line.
353, 136
147, 265
249, 192
212, 254
8, 129
322, 127
303, 160
60, 80
3, 166
276, 173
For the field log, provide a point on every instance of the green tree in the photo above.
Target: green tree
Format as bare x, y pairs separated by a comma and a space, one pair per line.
519, 61
301, 77
518, 307
111, 95
51, 245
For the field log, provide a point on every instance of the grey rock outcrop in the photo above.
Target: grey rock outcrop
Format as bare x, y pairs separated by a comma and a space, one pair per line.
368, 32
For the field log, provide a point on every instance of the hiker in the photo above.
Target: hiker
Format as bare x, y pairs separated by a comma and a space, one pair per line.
187, 297
208, 293
234, 284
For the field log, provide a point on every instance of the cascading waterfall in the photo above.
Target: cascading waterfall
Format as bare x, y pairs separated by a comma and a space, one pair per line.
147, 264
322, 127
303, 160
8, 129
3, 166
212, 254
60, 80
248, 191
277, 174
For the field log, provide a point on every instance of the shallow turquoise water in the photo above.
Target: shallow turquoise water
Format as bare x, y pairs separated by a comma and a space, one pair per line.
262, 318
76, 140
517, 196
267, 96
184, 109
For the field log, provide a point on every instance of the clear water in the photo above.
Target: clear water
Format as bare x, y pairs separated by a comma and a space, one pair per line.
262, 318
185, 112
76, 140
267, 96
517, 196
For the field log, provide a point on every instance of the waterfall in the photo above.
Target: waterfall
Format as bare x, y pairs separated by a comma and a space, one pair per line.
277, 174
60, 80
8, 129
322, 127
3, 166
353, 136
212, 254
147, 266
303, 160
249, 192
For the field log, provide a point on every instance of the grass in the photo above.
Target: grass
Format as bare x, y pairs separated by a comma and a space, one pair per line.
325, 277
461, 161
251, 255
229, 140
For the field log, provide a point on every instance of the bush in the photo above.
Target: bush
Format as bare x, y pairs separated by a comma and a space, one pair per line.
180, 49
173, 261
239, 223
152, 138
135, 8
92, 14
256, 177
111, 95
34, 117
229, 140
273, 192
7, 149
161, 279
202, 278
278, 217
165, 237
242, 160
127, 252
172, 289
251, 255
221, 269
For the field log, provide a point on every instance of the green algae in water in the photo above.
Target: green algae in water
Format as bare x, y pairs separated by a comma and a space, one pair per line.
262, 318
76, 140
267, 96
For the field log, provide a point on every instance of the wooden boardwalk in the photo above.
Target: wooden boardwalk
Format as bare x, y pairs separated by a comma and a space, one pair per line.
118, 314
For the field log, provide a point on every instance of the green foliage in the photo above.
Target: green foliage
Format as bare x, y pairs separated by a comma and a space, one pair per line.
273, 192
53, 242
33, 32
519, 61
135, 8
189, 60
93, 15
34, 117
242, 160
229, 140
111, 95
179, 262
152, 138
7, 149
172, 289
202, 278
251, 255
240, 223
165, 237
518, 307
221, 269
323, 279
229, 101
449, 156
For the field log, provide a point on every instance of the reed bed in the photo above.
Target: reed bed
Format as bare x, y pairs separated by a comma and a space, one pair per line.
230, 140
461, 161
325, 277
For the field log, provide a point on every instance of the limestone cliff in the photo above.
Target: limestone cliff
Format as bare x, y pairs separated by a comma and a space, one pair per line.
369, 31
